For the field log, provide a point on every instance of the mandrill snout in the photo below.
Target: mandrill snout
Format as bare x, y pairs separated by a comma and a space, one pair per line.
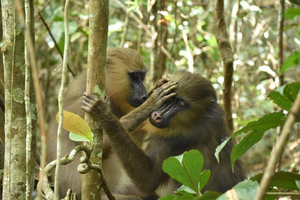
157, 120
156, 117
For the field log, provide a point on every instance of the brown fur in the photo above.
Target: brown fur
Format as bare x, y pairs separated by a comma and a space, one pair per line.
198, 124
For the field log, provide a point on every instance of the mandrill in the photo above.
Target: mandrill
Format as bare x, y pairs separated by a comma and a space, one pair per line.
191, 119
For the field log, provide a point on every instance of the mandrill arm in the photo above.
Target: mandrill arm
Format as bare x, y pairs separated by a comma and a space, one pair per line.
139, 166
158, 96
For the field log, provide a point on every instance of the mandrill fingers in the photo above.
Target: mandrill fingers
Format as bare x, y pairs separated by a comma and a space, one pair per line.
95, 106
159, 95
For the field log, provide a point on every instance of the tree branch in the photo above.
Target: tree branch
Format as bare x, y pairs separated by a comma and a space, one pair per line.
227, 57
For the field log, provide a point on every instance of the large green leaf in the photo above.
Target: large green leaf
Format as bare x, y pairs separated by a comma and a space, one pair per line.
255, 132
284, 180
187, 169
285, 95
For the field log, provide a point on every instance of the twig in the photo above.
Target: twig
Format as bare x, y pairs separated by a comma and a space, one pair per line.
280, 39
83, 168
43, 183
103, 181
55, 43
61, 99
282, 140
29, 134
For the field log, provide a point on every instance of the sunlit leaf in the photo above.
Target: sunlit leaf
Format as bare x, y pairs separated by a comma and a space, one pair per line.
75, 124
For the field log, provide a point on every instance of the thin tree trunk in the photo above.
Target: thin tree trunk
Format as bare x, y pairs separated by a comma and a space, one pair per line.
280, 39
227, 57
61, 100
159, 36
98, 28
29, 98
2, 95
14, 180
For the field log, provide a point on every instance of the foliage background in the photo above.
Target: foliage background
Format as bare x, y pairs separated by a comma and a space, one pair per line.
185, 33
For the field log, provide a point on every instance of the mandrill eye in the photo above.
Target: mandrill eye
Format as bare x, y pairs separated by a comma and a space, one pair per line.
182, 103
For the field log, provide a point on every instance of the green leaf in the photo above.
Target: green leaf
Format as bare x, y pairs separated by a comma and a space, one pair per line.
193, 162
291, 61
209, 195
285, 95
284, 180
182, 197
255, 132
245, 190
187, 169
204, 178
174, 168
168, 197
291, 13
185, 190
79, 138
220, 147
298, 184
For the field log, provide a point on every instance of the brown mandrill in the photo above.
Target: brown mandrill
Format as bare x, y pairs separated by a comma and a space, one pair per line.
191, 119
125, 73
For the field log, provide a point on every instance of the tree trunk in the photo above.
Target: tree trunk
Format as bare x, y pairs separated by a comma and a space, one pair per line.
98, 28
14, 181
159, 32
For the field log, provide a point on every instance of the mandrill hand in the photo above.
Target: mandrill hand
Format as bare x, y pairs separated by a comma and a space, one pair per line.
99, 109
161, 94
165, 79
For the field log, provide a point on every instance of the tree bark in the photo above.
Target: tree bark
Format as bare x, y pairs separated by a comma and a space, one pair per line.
227, 57
14, 181
159, 34
98, 28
